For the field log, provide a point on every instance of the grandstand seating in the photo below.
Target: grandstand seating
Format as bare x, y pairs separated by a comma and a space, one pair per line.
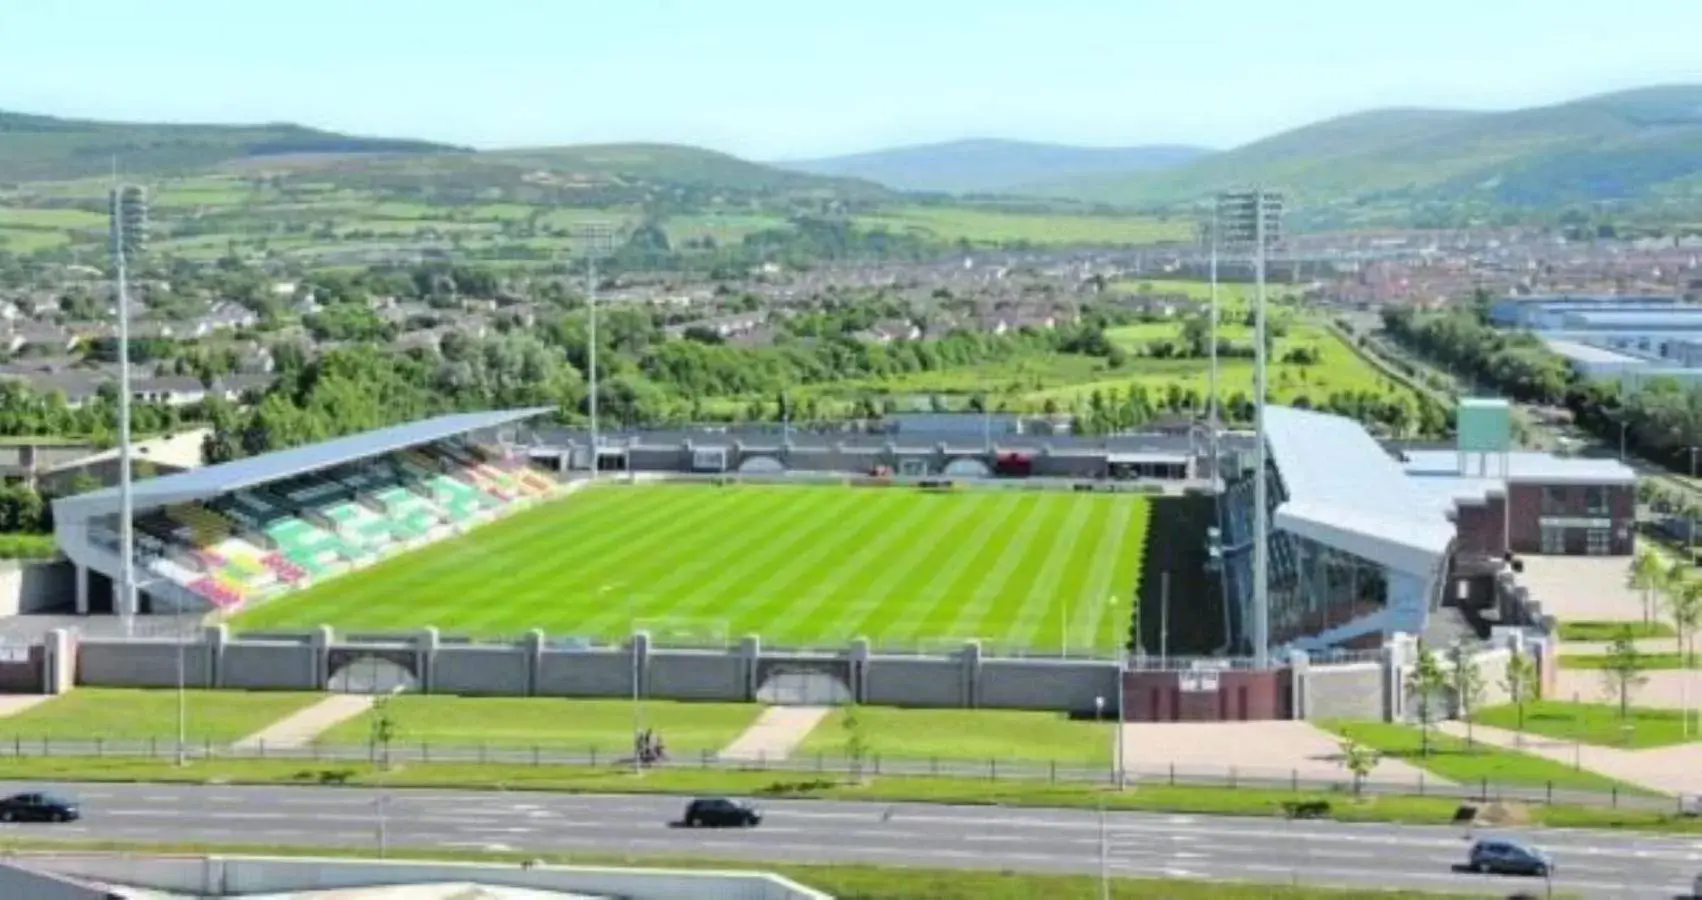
261, 541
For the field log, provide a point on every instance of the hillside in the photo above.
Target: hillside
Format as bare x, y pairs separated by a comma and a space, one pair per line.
42, 148
992, 166
1641, 148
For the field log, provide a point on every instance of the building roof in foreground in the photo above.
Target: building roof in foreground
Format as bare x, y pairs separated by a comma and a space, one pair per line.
211, 481
1344, 491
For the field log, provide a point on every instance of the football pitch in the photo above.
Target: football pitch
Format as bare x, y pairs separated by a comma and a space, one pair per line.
799, 565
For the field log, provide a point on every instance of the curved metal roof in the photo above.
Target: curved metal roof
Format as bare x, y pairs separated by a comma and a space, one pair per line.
223, 478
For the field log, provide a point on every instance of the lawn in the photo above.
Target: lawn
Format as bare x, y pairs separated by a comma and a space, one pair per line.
1237, 294
968, 734
799, 565
993, 226
117, 714
605, 726
1595, 723
1452, 758
1607, 631
1649, 661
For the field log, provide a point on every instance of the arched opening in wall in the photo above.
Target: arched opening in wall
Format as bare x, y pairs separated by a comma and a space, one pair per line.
803, 687
368, 674
761, 465
967, 467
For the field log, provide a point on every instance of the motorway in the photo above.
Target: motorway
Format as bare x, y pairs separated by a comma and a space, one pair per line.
1589, 864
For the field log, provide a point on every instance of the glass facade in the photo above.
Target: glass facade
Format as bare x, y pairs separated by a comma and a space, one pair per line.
1313, 587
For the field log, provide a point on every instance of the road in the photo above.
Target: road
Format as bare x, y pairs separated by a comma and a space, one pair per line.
1590, 864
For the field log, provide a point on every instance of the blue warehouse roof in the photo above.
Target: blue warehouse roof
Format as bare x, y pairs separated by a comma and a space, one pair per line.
211, 481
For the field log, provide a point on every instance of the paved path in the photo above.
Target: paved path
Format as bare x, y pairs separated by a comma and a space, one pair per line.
1665, 688
1276, 750
12, 704
298, 729
776, 733
1366, 857
1669, 770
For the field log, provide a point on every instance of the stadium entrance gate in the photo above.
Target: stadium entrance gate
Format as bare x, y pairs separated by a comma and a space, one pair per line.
804, 682
368, 671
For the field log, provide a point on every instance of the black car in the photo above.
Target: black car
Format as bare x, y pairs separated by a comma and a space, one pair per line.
1505, 857
38, 808
720, 812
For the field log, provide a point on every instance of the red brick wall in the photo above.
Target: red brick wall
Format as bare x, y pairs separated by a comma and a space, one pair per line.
1242, 694
1479, 526
1528, 512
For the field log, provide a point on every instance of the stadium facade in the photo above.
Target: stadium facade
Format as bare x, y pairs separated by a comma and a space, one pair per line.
222, 535
1366, 543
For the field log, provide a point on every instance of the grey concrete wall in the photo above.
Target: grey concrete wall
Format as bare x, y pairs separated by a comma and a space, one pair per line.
1353, 691
498, 671
699, 675
907, 681
33, 587
591, 673
1046, 684
140, 663
259, 665
22, 884
651, 459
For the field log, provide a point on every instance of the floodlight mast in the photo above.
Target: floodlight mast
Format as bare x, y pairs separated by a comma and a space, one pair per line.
1255, 217
127, 208
595, 239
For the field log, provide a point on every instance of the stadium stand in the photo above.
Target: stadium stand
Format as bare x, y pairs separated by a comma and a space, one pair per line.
307, 514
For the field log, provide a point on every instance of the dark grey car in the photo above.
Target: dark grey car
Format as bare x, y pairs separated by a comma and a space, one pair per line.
1501, 856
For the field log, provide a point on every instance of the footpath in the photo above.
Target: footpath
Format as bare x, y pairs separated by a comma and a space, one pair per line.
1664, 770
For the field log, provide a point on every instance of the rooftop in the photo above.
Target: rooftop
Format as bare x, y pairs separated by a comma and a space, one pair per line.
223, 478
1523, 466
1584, 353
1344, 491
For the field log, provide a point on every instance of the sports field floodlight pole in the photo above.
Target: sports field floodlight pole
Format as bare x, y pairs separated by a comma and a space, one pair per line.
595, 238
1212, 416
128, 212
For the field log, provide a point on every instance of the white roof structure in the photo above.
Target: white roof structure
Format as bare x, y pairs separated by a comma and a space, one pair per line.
1578, 352
1522, 467
223, 478
1344, 491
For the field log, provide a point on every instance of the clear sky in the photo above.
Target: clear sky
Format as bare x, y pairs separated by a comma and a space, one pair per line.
790, 78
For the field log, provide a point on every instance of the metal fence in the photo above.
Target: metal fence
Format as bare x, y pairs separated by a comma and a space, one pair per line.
805, 764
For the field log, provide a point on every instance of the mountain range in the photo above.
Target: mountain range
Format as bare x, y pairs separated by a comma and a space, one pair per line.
991, 166
1636, 151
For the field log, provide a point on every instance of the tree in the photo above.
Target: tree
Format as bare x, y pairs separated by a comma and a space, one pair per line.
856, 742
1622, 671
1467, 682
1360, 760
1684, 608
1650, 575
1520, 682
1424, 683
383, 728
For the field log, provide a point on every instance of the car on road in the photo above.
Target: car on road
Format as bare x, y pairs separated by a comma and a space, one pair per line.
721, 812
1501, 856
38, 807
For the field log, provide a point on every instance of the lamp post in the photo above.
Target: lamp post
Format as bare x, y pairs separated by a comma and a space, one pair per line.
182, 693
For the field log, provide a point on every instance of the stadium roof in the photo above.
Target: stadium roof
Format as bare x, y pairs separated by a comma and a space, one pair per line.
211, 481
1344, 491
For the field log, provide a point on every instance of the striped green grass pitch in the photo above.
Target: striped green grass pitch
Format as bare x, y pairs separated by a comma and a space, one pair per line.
799, 565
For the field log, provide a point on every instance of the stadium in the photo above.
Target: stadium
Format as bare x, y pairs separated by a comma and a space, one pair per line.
693, 537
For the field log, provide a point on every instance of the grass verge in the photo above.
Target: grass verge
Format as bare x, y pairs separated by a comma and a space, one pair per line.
124, 714
1607, 631
1456, 760
1595, 723
1649, 661
605, 726
848, 882
967, 734
1145, 797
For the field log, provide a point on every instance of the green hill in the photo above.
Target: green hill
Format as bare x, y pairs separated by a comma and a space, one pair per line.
1640, 148
44, 148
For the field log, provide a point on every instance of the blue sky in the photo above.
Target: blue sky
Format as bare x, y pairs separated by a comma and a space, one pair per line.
794, 78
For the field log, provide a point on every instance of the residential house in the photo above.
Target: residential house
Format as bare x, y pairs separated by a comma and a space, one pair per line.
889, 330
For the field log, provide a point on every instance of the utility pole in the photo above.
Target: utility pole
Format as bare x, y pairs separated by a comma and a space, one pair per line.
595, 239
128, 211
1255, 217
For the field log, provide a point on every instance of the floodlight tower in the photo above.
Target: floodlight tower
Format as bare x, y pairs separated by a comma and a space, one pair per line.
128, 222
1213, 414
1253, 219
595, 239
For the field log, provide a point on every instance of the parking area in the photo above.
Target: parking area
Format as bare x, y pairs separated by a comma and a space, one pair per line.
1583, 588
